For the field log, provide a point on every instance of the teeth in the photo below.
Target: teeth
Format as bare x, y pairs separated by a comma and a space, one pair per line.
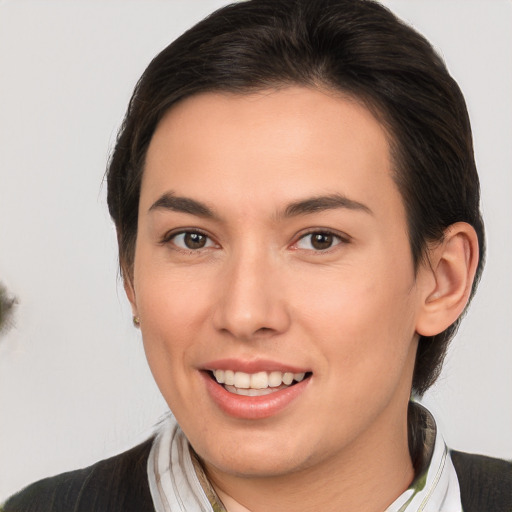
219, 375
287, 378
229, 377
275, 379
259, 380
242, 381
250, 391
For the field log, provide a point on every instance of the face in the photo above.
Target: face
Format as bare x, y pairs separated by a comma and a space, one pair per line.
274, 281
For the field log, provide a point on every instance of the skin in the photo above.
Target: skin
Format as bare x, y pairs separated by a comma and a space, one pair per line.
259, 289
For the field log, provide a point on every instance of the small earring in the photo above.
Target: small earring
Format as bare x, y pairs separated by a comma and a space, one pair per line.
136, 321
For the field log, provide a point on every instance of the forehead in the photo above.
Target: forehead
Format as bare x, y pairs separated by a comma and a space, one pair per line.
279, 144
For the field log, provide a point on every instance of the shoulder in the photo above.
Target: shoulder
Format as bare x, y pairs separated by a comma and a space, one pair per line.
119, 483
485, 482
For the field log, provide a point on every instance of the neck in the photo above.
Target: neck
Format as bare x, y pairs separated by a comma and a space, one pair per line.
368, 475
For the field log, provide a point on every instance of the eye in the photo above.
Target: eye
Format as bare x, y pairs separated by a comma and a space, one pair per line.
191, 240
319, 241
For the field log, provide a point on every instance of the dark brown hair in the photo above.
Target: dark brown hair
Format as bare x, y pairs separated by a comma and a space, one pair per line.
357, 47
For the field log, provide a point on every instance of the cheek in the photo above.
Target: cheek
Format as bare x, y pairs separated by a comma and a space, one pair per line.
173, 310
367, 352
169, 297
363, 321
172, 320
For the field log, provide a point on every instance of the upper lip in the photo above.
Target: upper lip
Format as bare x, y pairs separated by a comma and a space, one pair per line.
252, 366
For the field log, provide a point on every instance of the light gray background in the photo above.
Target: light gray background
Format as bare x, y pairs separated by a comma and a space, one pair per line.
74, 385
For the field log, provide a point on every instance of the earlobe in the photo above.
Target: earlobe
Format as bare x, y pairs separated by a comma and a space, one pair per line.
448, 279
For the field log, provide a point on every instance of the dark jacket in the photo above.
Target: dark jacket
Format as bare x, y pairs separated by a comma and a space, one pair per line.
120, 484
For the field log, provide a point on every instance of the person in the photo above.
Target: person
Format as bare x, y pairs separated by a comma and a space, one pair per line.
297, 209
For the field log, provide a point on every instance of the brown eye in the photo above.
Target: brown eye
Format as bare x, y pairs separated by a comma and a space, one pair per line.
191, 240
319, 241
194, 240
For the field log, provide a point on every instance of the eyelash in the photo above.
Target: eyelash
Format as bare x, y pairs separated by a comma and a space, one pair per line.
170, 237
341, 239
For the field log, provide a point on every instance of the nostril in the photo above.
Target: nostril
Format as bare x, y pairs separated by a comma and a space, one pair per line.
264, 330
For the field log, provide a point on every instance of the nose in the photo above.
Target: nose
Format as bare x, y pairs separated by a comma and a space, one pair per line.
251, 302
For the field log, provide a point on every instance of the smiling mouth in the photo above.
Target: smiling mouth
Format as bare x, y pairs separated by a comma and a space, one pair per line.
256, 384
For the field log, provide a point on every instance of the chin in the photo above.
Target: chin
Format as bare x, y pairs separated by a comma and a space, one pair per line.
255, 467
255, 457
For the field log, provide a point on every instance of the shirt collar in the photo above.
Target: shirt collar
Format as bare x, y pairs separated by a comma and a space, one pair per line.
178, 482
436, 486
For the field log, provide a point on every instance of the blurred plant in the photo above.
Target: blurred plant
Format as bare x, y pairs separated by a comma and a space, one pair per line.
7, 304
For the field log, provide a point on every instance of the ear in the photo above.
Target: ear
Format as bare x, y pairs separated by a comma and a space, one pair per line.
130, 290
446, 279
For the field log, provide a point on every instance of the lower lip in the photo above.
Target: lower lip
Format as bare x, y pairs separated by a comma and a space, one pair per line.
252, 407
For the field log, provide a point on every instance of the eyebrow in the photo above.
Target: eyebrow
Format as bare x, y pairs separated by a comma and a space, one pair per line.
322, 203
169, 201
